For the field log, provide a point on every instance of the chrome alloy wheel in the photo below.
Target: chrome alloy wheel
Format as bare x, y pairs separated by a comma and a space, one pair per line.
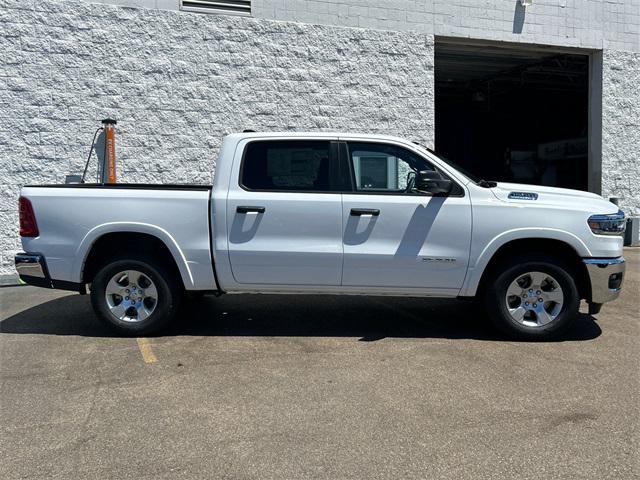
534, 299
131, 296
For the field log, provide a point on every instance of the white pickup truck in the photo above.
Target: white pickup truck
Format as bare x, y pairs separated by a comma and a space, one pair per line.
327, 213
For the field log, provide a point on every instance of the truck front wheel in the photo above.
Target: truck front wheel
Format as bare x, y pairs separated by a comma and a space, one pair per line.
532, 297
136, 297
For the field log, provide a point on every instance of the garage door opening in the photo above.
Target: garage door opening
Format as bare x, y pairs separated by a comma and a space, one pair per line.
513, 113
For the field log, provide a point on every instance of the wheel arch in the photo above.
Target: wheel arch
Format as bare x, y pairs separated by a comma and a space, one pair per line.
568, 248
104, 241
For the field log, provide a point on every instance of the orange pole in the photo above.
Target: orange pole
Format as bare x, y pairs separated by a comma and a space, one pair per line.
110, 149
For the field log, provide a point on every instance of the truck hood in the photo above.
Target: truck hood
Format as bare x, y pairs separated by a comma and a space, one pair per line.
562, 197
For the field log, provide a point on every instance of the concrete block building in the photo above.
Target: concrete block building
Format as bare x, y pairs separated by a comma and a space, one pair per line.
535, 91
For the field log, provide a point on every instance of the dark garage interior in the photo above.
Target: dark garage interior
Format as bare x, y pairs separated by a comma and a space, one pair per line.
512, 113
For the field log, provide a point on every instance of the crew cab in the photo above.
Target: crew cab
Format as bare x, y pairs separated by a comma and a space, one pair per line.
331, 213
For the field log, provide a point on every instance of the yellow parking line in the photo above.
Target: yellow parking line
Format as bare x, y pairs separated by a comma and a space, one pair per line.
146, 351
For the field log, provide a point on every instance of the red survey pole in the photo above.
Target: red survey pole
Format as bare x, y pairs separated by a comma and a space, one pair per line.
110, 149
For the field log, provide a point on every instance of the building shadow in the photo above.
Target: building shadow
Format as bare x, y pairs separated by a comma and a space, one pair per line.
354, 234
365, 318
244, 227
419, 227
519, 15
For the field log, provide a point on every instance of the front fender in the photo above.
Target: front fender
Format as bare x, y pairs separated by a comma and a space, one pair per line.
131, 227
477, 266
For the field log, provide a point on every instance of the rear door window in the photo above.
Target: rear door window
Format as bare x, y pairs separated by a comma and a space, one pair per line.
291, 165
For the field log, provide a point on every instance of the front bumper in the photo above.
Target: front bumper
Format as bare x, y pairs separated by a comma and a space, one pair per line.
32, 269
606, 276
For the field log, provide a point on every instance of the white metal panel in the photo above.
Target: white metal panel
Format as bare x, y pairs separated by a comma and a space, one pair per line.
415, 241
297, 240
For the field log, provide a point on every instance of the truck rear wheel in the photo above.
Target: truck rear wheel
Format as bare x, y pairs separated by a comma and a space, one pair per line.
532, 297
136, 297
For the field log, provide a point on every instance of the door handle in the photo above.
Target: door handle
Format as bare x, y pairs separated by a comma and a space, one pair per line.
241, 209
358, 212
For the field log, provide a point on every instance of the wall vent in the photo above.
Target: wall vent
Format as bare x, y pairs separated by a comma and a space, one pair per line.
236, 7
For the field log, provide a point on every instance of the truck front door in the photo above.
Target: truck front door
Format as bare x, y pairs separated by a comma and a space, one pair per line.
395, 237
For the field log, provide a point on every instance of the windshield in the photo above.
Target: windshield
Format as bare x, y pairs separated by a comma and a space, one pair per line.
465, 172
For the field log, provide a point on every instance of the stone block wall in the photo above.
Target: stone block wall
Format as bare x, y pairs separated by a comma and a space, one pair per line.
621, 128
613, 24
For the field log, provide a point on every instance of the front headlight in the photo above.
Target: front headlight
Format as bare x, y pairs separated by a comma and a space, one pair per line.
611, 224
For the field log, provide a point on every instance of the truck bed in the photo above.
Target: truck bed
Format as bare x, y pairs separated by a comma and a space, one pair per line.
72, 217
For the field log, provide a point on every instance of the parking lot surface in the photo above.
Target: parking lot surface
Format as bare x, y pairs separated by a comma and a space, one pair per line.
296, 387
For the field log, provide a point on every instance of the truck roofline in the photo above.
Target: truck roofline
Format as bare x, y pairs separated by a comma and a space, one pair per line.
308, 134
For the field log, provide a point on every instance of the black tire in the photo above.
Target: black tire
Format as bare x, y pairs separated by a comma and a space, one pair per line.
495, 295
169, 293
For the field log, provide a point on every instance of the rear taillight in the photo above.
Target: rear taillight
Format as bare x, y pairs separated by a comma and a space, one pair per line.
28, 224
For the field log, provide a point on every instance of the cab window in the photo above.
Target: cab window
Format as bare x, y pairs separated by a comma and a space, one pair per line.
379, 167
290, 165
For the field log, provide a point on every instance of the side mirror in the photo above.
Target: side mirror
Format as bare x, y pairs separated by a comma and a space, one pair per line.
430, 181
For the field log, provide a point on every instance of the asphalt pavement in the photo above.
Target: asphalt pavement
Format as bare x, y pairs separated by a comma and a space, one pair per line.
301, 387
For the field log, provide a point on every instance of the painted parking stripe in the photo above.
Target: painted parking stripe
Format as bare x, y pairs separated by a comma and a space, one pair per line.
147, 352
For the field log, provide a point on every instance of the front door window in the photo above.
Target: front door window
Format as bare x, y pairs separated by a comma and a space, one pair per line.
384, 168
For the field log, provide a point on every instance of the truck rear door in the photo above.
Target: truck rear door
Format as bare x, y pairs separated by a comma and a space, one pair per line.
284, 213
